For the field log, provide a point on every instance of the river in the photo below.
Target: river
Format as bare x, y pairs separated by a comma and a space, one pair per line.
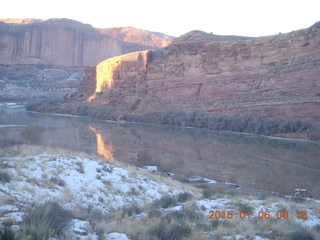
251, 161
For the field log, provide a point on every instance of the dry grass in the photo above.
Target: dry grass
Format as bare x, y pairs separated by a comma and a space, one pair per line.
123, 220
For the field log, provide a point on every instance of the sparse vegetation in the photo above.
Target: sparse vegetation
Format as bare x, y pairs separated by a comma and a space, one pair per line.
45, 220
4, 177
60, 182
130, 211
207, 193
300, 235
188, 220
165, 231
80, 167
243, 207
165, 202
6, 234
185, 196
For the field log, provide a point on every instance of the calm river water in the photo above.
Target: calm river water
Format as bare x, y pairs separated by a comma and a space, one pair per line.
247, 160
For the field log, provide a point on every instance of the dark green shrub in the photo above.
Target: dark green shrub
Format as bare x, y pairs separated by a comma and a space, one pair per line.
207, 193
183, 197
154, 213
300, 235
165, 202
6, 234
4, 177
177, 232
44, 221
164, 231
317, 228
244, 207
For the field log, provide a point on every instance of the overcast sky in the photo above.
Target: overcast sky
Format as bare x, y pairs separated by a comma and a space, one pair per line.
176, 17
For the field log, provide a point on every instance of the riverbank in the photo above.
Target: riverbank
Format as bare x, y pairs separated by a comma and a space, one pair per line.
291, 128
109, 198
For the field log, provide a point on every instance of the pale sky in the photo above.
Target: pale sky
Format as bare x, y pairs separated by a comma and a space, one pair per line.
176, 17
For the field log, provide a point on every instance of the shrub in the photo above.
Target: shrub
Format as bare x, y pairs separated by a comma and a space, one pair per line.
207, 193
46, 220
80, 168
4, 177
154, 213
183, 197
58, 181
244, 207
165, 202
130, 211
158, 231
300, 235
164, 231
6, 234
178, 231
317, 228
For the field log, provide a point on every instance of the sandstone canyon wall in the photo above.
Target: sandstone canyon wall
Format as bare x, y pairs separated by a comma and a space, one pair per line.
64, 42
29, 48
274, 76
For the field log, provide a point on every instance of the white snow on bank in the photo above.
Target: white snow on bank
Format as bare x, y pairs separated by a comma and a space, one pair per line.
117, 236
80, 181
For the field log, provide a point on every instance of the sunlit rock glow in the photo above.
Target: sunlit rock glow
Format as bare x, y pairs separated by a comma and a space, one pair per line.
105, 71
104, 150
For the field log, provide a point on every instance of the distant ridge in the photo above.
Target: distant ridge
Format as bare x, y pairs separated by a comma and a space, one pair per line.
67, 42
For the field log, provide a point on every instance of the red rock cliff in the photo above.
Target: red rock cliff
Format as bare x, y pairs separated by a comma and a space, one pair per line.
60, 42
275, 76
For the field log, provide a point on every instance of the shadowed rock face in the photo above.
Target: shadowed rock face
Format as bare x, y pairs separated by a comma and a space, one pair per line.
64, 42
275, 76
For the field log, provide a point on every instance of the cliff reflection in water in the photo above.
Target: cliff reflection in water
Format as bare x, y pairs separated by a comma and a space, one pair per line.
104, 150
247, 160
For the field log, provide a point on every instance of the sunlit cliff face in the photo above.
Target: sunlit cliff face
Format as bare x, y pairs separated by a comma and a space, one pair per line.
104, 150
106, 69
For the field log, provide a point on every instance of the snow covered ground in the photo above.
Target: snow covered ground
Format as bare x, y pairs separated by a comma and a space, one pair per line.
81, 182
73, 182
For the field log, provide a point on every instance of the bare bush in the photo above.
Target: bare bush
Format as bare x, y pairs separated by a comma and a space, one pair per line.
44, 221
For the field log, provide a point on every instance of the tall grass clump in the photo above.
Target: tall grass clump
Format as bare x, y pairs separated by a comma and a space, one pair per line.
44, 221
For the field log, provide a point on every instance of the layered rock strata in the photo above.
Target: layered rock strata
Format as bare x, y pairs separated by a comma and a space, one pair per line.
274, 76
64, 42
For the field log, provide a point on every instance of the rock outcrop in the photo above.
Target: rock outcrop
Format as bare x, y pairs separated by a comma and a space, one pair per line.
274, 76
64, 42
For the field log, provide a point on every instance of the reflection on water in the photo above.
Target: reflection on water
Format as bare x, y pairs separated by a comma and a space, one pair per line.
104, 150
247, 160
